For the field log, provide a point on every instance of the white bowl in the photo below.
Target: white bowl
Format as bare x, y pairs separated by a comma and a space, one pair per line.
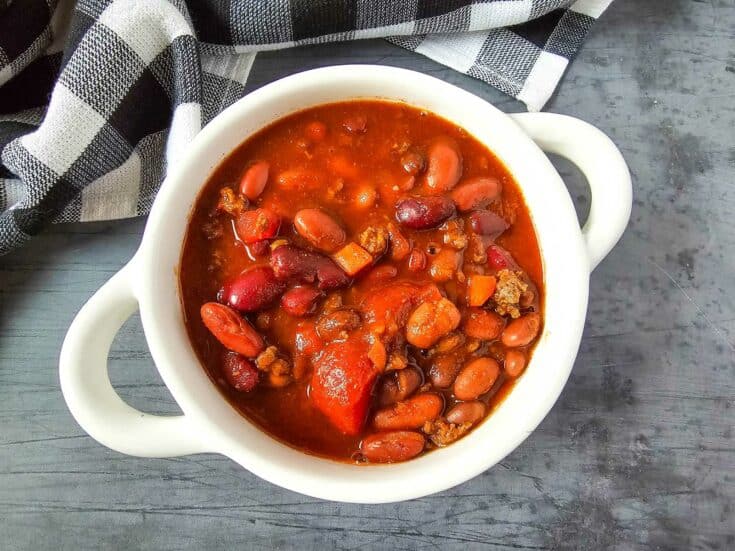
210, 424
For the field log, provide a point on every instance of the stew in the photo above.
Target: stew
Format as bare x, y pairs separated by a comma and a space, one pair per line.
362, 280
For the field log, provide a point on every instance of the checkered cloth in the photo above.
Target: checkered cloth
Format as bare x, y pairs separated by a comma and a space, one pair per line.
98, 98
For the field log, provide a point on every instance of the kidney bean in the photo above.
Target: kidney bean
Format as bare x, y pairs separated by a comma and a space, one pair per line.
422, 213
316, 131
522, 331
399, 385
466, 412
483, 325
300, 301
356, 124
515, 362
431, 321
500, 259
476, 378
443, 371
392, 447
252, 290
240, 372
409, 414
231, 330
416, 260
476, 192
485, 222
256, 225
319, 229
253, 181
413, 162
337, 324
444, 165
289, 262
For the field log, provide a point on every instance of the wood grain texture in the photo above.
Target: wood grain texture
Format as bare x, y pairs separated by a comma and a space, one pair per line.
637, 453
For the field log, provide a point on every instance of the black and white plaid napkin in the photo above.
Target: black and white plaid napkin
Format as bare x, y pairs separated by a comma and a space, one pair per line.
97, 97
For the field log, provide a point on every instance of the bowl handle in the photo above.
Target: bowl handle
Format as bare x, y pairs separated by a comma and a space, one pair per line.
86, 386
602, 164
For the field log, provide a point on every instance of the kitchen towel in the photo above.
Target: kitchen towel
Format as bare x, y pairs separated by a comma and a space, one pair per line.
97, 97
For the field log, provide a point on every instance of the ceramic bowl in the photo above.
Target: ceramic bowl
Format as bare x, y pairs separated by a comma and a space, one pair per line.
209, 424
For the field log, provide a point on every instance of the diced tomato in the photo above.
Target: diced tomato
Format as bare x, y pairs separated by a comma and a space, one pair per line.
342, 383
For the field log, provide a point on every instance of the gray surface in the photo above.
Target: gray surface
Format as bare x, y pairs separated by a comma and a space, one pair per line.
637, 453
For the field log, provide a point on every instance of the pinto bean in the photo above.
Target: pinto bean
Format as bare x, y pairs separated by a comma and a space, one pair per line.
253, 181
444, 165
444, 265
521, 331
240, 372
431, 321
466, 412
475, 193
319, 229
443, 371
515, 362
422, 213
483, 324
382, 273
476, 378
252, 290
256, 225
300, 301
398, 385
413, 162
416, 260
231, 330
392, 447
409, 414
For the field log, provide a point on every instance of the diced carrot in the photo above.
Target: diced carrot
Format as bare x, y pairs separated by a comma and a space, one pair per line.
480, 289
352, 258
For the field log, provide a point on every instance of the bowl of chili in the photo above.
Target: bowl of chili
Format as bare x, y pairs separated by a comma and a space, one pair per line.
164, 274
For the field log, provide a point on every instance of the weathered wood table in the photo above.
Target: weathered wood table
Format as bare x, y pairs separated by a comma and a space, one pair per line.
638, 452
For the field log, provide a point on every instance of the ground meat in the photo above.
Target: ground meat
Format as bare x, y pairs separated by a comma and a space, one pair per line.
443, 433
508, 293
374, 240
266, 358
454, 235
230, 202
476, 251
396, 361
277, 369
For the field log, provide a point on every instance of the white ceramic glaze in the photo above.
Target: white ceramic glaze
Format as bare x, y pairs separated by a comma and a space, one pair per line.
210, 424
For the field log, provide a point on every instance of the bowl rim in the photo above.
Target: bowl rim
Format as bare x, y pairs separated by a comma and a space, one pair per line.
566, 276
